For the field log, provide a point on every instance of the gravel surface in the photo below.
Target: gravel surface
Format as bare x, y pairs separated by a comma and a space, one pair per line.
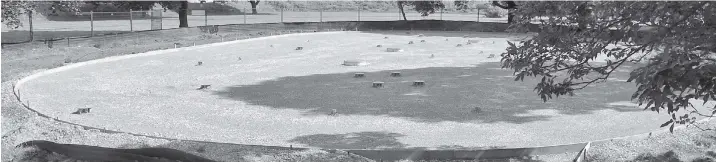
19, 125
280, 96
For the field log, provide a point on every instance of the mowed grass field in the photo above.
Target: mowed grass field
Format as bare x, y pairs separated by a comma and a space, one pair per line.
265, 92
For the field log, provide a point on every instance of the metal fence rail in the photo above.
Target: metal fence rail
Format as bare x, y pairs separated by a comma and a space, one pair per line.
101, 23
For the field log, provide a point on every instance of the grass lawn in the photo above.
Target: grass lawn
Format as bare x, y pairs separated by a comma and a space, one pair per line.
20, 36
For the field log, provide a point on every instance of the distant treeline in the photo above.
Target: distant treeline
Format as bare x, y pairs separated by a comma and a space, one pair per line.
241, 7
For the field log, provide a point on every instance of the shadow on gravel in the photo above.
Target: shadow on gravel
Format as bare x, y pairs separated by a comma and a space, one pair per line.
360, 140
449, 94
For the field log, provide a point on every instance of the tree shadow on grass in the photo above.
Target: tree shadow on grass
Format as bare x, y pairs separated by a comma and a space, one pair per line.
449, 94
360, 140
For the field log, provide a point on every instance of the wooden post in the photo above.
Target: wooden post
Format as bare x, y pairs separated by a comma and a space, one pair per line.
244, 15
478, 14
32, 34
91, 23
161, 24
441, 13
131, 19
281, 14
206, 18
320, 15
359, 8
131, 27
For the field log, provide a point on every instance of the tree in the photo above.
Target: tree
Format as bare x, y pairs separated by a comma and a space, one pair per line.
12, 10
402, 11
425, 8
674, 41
181, 7
510, 6
461, 5
254, 3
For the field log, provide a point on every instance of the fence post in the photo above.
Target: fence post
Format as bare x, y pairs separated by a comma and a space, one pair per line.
32, 34
441, 13
359, 8
91, 23
244, 15
206, 18
131, 26
281, 14
320, 15
478, 14
161, 21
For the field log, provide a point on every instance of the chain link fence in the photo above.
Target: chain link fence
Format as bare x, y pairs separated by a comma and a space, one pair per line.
78, 49
88, 24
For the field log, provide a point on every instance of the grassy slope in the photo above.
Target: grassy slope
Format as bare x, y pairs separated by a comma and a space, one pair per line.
20, 125
689, 144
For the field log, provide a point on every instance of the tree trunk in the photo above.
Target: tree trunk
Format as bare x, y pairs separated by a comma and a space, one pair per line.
253, 7
183, 21
511, 5
510, 17
583, 13
400, 6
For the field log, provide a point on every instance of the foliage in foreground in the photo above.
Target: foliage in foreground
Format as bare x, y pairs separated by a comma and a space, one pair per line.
676, 40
